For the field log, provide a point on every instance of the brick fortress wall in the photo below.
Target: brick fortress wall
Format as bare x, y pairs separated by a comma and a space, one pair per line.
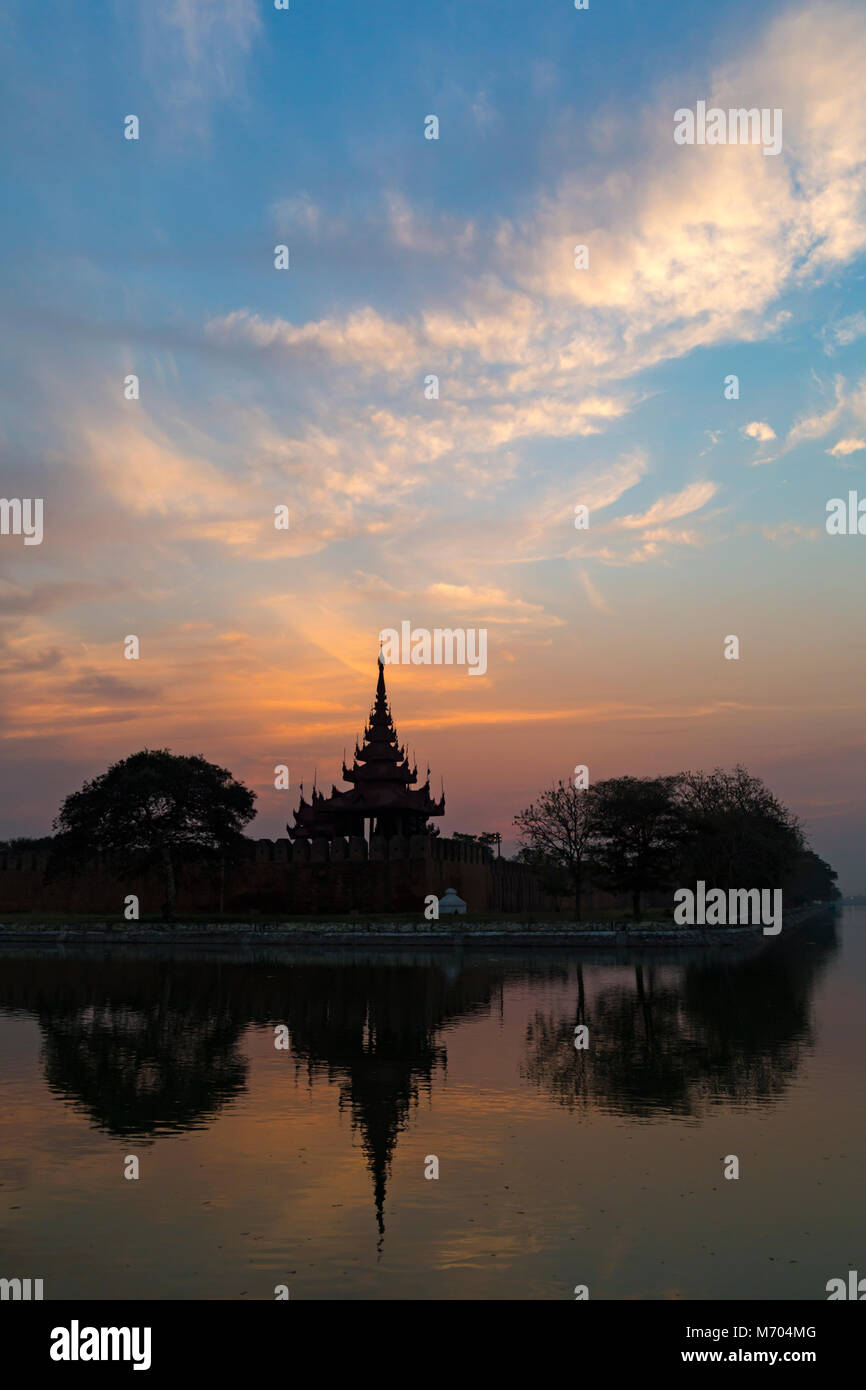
325, 876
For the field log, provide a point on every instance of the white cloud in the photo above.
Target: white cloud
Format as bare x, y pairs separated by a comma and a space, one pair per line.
690, 499
714, 436
847, 446
843, 332
689, 246
814, 426
553, 514
758, 430
786, 533
441, 237
489, 604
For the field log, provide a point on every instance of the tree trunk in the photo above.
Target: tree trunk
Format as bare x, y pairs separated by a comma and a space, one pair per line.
577, 877
635, 904
170, 885
645, 1005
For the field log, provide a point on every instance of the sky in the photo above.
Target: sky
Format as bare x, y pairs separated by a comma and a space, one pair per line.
559, 387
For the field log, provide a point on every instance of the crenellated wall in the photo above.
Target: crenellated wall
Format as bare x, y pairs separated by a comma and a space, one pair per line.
326, 876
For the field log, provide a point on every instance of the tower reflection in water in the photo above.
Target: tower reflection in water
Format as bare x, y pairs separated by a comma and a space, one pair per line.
145, 1043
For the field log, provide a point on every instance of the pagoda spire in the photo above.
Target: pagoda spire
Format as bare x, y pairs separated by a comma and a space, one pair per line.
381, 693
381, 782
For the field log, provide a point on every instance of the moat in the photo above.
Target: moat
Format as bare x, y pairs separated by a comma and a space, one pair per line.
304, 1165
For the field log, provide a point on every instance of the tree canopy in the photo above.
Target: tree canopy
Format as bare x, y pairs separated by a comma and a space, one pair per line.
634, 834
556, 832
154, 808
637, 832
736, 832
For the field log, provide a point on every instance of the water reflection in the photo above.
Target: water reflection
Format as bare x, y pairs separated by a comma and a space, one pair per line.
671, 1039
144, 1043
372, 1028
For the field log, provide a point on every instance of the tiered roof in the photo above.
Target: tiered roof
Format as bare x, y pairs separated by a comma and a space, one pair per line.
382, 787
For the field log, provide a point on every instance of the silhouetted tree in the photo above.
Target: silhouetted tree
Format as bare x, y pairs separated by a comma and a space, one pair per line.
491, 838
556, 832
27, 844
154, 808
635, 834
811, 880
737, 834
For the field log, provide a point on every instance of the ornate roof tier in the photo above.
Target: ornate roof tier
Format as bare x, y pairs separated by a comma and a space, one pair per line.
382, 787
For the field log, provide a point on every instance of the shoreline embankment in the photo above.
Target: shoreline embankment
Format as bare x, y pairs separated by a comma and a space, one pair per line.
410, 933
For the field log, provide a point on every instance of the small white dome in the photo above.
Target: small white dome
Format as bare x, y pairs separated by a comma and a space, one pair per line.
449, 902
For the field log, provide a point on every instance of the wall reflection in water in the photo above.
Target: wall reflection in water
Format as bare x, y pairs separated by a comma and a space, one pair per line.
147, 1043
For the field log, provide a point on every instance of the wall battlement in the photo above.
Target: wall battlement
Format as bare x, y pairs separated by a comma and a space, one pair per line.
304, 877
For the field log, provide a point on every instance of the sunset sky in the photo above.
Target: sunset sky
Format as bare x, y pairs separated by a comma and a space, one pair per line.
558, 386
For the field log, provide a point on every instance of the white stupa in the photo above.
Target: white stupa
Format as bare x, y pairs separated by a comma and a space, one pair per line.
449, 902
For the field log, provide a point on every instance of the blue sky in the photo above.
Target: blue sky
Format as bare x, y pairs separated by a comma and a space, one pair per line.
558, 386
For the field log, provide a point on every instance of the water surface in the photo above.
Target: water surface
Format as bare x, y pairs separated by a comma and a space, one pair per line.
306, 1166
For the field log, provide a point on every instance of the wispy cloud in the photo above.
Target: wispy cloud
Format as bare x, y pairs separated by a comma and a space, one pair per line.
195, 52
595, 598
670, 508
817, 424
843, 447
843, 331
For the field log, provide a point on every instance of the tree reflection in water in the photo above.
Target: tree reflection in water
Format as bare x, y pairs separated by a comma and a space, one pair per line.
145, 1042
673, 1038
